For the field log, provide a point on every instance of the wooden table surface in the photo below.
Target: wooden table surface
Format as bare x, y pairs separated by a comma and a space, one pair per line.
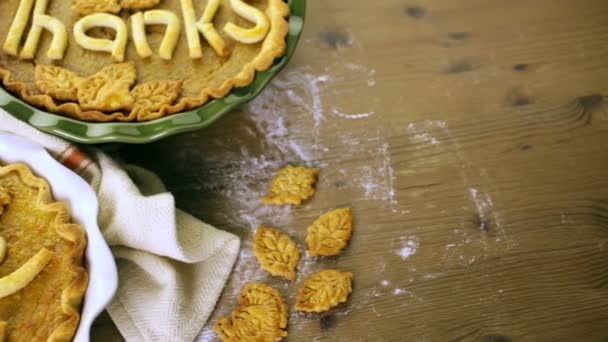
471, 139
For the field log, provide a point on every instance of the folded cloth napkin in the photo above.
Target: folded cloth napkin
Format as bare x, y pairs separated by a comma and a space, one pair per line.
171, 267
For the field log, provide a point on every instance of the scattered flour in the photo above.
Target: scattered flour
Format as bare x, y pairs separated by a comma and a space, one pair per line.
390, 173
307, 90
484, 204
300, 95
426, 131
431, 276
481, 206
399, 291
351, 116
298, 84
426, 137
295, 102
467, 260
409, 245
311, 90
378, 179
243, 186
269, 112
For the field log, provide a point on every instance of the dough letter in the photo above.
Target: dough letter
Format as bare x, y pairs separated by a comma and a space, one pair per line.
116, 47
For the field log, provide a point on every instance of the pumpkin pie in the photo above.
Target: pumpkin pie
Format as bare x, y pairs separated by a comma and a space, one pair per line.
42, 279
135, 60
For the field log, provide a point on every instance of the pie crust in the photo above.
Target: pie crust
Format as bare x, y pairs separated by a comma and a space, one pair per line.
323, 291
291, 185
330, 233
203, 79
277, 252
48, 307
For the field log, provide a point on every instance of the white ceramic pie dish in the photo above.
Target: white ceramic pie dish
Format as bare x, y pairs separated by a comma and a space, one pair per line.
72, 189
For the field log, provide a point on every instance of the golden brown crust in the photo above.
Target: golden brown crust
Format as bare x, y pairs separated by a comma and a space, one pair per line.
108, 89
86, 7
273, 46
291, 185
71, 296
323, 290
261, 316
138, 4
5, 198
151, 97
330, 233
276, 252
57, 82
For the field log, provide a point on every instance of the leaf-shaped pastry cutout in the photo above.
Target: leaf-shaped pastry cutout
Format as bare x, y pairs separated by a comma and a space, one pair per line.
59, 83
108, 89
5, 199
276, 252
260, 294
292, 185
119, 72
138, 4
247, 323
261, 316
150, 97
324, 290
86, 7
330, 233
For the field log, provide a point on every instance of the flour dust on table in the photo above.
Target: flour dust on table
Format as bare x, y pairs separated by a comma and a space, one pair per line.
292, 119
283, 142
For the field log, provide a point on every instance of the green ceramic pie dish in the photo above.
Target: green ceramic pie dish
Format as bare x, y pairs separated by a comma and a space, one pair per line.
145, 132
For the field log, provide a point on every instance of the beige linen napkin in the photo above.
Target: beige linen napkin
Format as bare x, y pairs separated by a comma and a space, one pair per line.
172, 267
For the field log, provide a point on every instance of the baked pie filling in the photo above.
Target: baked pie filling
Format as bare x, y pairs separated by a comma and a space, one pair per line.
42, 278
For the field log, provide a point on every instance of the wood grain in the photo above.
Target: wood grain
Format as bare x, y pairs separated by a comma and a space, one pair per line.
471, 139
